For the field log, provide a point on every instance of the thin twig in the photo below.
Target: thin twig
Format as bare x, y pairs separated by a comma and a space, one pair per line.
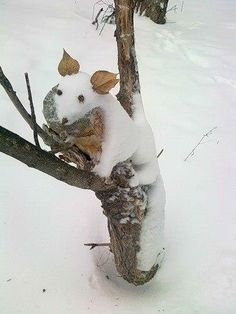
105, 18
199, 143
96, 18
104, 22
93, 245
101, 263
33, 116
174, 8
21, 109
160, 153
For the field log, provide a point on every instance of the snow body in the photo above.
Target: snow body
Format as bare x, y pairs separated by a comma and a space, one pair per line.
124, 138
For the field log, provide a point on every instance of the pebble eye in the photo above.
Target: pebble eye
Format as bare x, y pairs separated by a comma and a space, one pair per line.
81, 98
59, 92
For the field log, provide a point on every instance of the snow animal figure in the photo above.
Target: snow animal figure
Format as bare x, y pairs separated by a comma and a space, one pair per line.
123, 138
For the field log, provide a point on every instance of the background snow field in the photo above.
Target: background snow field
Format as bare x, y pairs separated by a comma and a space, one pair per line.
187, 71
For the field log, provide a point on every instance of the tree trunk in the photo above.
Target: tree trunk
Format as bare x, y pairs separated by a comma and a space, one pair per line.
127, 62
127, 207
154, 9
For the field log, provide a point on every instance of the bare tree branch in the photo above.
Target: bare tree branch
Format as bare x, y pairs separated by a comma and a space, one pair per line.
34, 157
33, 116
23, 112
160, 153
96, 18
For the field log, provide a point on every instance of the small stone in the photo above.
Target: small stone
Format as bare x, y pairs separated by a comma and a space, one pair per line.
81, 98
59, 92
64, 120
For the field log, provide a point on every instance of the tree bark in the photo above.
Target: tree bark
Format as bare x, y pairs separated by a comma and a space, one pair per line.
127, 62
126, 205
154, 9
15, 146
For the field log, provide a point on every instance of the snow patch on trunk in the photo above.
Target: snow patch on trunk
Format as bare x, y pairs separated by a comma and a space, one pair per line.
152, 233
146, 166
144, 158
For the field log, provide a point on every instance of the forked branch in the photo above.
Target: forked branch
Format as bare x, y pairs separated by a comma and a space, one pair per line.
21, 109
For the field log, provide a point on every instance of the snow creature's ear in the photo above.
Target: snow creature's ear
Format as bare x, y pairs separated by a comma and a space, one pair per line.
103, 81
68, 65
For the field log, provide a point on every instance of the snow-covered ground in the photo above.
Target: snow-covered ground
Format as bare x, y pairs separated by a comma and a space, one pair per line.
187, 71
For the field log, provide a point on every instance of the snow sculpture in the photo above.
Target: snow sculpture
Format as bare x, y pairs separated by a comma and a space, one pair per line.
83, 112
122, 138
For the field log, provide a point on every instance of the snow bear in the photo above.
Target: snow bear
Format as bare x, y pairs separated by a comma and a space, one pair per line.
124, 138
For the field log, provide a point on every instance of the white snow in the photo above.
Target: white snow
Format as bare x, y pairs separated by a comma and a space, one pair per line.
124, 220
67, 104
145, 158
152, 232
119, 140
120, 131
187, 72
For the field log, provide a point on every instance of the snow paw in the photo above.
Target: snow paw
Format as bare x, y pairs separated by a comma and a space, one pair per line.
98, 169
134, 181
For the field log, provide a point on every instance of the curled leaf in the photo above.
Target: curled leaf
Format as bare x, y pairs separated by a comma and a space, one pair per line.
68, 65
103, 81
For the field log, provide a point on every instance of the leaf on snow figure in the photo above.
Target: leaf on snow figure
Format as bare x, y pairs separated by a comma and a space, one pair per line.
68, 65
103, 81
87, 133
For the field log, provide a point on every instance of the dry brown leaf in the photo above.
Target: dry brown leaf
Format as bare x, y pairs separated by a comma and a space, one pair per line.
68, 65
88, 133
97, 122
103, 81
90, 145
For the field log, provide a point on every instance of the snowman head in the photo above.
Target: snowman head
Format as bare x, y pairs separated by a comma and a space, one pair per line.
78, 91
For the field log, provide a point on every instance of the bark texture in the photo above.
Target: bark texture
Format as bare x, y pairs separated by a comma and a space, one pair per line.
154, 9
125, 209
34, 157
127, 62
